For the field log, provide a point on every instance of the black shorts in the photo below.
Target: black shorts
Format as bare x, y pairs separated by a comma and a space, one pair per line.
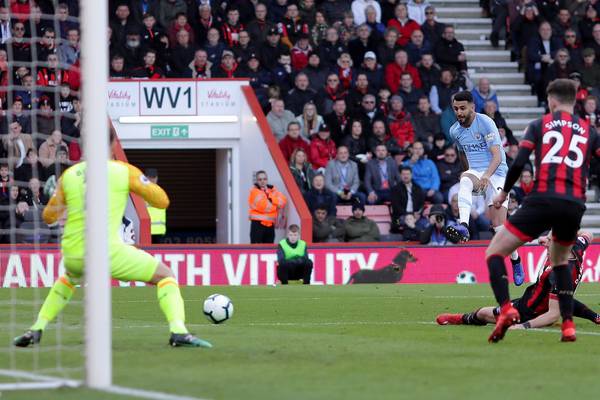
540, 214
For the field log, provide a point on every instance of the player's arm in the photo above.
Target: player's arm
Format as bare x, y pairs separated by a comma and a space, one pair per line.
525, 148
546, 319
494, 142
496, 160
150, 192
56, 206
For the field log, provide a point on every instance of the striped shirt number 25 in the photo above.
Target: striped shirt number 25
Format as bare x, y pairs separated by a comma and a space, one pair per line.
551, 156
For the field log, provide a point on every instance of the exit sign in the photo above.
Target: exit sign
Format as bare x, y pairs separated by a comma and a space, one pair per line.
169, 131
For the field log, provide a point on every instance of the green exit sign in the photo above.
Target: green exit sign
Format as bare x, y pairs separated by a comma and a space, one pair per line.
169, 131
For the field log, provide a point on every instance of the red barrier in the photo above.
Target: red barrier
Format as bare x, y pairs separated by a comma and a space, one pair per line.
256, 266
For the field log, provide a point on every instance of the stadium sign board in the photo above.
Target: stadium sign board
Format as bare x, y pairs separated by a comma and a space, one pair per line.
207, 265
169, 131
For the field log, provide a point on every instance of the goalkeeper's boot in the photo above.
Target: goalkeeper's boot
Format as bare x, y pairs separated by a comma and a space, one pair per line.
449, 319
28, 338
458, 233
568, 331
508, 316
187, 340
518, 273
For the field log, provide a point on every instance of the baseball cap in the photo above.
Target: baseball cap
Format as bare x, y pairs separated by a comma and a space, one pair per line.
227, 53
370, 55
273, 31
436, 209
324, 128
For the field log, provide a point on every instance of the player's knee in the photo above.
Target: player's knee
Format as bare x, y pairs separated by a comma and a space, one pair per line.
466, 181
162, 272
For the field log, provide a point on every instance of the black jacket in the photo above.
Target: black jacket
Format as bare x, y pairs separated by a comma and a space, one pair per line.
325, 197
449, 174
400, 199
296, 99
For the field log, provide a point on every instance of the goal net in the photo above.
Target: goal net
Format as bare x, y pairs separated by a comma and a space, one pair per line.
47, 89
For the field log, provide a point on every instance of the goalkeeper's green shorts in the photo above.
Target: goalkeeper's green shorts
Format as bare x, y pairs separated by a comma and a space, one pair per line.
127, 263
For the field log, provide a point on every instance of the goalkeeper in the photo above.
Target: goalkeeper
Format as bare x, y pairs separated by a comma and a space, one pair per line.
127, 263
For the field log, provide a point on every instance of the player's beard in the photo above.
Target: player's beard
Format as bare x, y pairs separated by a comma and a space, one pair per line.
466, 119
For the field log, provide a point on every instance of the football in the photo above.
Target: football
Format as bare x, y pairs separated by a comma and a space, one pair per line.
218, 308
466, 277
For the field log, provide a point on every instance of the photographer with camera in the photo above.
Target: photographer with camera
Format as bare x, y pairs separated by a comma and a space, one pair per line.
434, 234
264, 201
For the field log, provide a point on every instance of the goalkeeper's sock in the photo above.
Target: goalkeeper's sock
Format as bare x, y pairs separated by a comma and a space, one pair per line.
57, 299
171, 304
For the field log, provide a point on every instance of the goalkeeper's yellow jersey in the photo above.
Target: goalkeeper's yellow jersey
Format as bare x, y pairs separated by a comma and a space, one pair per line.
69, 196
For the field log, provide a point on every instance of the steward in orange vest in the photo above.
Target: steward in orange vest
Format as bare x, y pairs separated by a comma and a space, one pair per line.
265, 202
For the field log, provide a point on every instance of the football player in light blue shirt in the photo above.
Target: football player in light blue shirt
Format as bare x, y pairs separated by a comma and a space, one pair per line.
484, 161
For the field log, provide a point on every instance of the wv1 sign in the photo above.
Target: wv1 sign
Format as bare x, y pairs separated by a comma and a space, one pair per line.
168, 98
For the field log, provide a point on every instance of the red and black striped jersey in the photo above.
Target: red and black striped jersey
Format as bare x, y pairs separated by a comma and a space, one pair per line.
538, 295
564, 145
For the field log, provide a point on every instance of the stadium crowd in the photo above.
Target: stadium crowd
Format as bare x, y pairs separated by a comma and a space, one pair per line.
358, 93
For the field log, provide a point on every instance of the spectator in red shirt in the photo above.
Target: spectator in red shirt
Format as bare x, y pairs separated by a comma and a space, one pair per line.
300, 52
180, 22
230, 30
51, 75
404, 25
20, 9
322, 148
399, 122
293, 141
394, 71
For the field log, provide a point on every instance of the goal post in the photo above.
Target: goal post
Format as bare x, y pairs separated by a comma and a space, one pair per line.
94, 74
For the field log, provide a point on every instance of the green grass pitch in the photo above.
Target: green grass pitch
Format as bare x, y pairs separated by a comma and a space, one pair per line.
344, 342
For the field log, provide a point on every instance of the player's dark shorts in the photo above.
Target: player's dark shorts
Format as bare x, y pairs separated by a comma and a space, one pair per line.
525, 313
540, 214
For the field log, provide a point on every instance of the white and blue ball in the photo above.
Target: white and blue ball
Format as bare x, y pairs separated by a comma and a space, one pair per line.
466, 277
218, 308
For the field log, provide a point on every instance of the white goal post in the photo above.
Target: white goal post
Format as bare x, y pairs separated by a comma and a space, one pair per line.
94, 74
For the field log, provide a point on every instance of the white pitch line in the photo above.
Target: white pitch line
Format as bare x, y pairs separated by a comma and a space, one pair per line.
546, 330
416, 296
49, 382
43, 381
146, 394
539, 330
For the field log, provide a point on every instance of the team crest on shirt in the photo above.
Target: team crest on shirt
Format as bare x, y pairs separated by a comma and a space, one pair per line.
477, 136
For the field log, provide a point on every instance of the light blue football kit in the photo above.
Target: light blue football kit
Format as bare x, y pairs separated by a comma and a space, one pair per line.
476, 142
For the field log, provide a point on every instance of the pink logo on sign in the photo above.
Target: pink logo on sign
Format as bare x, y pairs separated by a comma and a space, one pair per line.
214, 94
119, 95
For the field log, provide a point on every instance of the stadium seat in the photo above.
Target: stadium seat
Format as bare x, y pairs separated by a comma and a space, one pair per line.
343, 212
